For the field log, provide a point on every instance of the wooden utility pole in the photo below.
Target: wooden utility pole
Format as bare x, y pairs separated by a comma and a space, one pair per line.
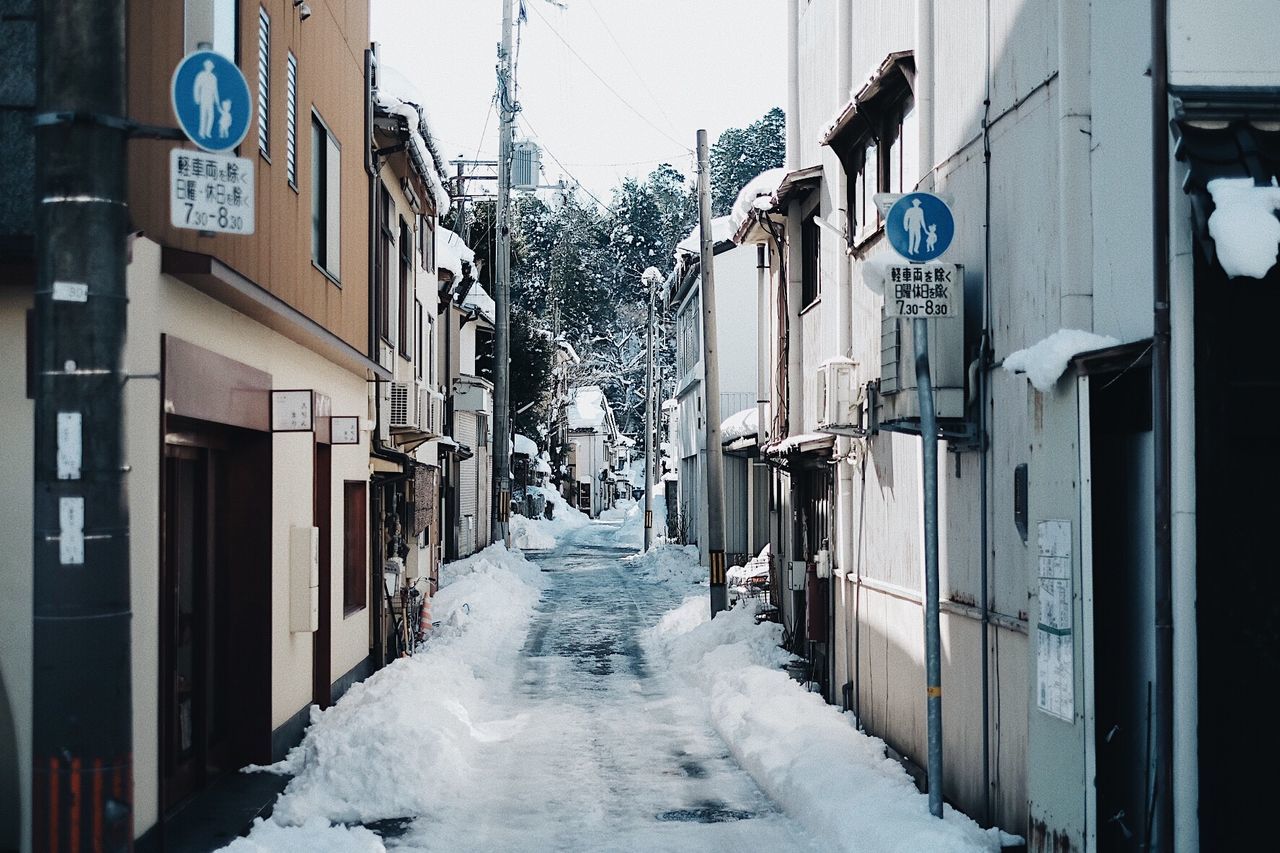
82, 708
507, 109
711, 386
651, 278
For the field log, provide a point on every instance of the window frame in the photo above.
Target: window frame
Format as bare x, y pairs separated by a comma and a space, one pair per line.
263, 109
355, 546
810, 257
326, 233
291, 121
405, 282
382, 265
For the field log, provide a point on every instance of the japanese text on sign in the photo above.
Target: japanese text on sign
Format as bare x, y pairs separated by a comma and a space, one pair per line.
210, 192
922, 290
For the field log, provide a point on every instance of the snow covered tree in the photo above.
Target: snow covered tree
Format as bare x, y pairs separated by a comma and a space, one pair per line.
739, 154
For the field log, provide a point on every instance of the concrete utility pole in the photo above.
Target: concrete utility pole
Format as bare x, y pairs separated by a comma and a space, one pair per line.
507, 109
651, 278
82, 709
711, 386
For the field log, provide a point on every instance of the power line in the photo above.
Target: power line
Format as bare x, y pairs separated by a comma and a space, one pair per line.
622, 50
605, 83
524, 116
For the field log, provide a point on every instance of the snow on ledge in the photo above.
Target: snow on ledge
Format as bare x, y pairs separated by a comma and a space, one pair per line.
756, 195
1244, 226
740, 425
1045, 362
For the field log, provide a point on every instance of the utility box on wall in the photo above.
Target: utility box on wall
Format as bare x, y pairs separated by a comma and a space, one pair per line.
304, 579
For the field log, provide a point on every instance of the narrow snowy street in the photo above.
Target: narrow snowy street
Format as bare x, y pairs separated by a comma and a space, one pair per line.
608, 753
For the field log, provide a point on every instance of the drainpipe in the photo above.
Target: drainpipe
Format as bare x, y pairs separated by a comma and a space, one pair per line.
1075, 226
984, 441
793, 85
1161, 433
1186, 711
843, 558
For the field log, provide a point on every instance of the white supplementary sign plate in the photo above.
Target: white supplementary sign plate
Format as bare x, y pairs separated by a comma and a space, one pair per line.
210, 192
1055, 641
923, 291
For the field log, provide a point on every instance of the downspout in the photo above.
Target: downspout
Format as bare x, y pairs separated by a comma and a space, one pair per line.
843, 558
1161, 434
1075, 227
984, 441
793, 85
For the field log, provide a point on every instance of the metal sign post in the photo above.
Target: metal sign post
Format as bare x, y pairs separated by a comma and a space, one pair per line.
920, 227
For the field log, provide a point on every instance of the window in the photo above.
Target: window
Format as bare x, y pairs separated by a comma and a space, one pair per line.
211, 24
417, 337
326, 194
688, 341
355, 545
291, 120
426, 242
382, 262
406, 288
264, 82
810, 258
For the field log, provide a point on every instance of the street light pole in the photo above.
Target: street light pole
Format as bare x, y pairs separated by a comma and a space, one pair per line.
507, 109
82, 710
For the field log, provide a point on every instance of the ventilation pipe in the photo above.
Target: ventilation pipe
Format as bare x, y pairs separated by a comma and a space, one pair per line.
1075, 226
844, 298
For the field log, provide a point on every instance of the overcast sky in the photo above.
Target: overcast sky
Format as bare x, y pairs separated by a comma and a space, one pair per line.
673, 66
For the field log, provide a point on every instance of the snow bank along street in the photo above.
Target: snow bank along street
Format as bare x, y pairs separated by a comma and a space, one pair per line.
580, 698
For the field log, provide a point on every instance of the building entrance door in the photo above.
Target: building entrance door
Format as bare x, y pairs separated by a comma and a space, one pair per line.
195, 621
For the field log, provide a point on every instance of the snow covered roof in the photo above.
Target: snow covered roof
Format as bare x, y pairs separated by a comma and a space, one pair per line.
1045, 361
756, 195
568, 350
587, 408
721, 230
479, 298
451, 251
740, 425
1244, 227
802, 443
525, 446
397, 96
669, 404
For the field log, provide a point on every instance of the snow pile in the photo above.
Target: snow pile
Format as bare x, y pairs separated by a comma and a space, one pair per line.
430, 711
630, 534
803, 753
587, 410
317, 835
676, 565
757, 567
531, 533
1244, 226
755, 196
1045, 361
525, 446
740, 425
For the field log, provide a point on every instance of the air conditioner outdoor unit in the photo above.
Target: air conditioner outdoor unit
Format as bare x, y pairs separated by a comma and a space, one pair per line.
403, 411
431, 407
471, 396
837, 397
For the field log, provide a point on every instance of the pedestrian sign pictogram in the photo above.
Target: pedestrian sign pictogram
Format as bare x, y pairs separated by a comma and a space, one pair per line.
920, 226
211, 100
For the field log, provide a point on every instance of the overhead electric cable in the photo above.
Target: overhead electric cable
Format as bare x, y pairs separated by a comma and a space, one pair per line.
605, 83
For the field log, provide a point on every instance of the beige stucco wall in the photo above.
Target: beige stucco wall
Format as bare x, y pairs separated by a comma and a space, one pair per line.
158, 305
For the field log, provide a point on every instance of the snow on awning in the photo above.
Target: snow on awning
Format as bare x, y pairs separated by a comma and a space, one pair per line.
1234, 169
525, 446
1045, 361
451, 251
480, 299
891, 77
721, 232
809, 442
756, 195
740, 425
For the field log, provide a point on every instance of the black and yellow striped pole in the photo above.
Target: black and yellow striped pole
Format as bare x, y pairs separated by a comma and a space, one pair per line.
711, 386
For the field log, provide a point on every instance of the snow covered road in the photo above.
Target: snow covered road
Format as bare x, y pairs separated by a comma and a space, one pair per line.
612, 754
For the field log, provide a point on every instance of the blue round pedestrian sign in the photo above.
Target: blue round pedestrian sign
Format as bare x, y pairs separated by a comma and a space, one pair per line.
211, 100
920, 226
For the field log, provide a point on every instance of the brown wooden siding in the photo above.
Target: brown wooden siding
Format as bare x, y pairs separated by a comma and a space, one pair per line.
330, 50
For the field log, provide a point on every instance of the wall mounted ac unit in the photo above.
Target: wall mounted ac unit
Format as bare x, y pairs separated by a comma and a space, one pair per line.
403, 411
431, 407
837, 397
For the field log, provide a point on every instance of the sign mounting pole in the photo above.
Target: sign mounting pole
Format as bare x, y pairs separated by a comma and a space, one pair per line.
507, 109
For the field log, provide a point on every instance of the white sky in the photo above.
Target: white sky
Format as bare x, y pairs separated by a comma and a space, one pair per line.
680, 64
